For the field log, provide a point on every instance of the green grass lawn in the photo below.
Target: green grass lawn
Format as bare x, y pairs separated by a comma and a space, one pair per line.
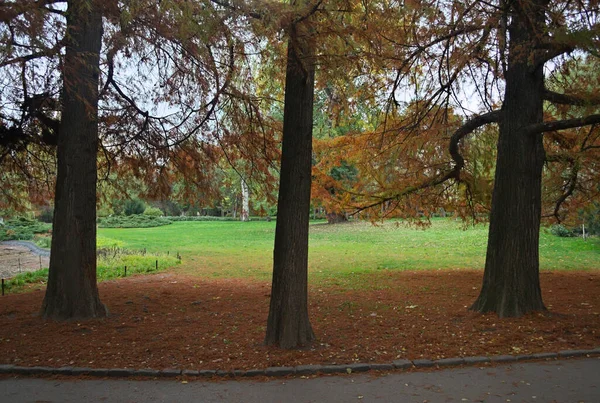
236, 249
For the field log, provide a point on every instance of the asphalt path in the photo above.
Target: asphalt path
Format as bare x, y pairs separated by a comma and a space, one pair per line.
573, 380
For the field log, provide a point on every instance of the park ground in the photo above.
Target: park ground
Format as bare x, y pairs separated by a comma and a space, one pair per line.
174, 320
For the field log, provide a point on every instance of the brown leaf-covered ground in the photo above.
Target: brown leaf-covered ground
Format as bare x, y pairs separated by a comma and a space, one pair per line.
174, 321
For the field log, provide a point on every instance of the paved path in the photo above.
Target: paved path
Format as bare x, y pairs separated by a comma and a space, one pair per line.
575, 380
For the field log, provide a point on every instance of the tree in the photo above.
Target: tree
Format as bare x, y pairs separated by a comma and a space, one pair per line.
450, 54
72, 291
288, 324
245, 214
511, 278
157, 130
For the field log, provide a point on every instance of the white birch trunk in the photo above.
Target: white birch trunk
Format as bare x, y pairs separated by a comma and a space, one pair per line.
245, 216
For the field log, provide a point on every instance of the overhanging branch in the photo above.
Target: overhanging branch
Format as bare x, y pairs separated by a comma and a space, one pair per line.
566, 99
562, 124
453, 173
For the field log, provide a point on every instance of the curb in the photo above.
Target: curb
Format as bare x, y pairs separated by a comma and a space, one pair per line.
301, 370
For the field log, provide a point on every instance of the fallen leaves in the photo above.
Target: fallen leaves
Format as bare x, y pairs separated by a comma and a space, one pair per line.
223, 327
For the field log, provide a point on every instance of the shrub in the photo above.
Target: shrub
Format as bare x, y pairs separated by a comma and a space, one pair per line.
561, 231
202, 218
43, 241
153, 211
22, 229
134, 206
46, 214
132, 221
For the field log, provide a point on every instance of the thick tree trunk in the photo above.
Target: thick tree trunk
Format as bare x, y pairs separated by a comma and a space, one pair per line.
288, 325
72, 291
511, 285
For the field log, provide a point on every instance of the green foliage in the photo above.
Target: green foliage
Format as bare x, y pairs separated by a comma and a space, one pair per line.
43, 241
18, 281
22, 229
46, 214
114, 266
590, 216
344, 172
134, 206
202, 218
153, 211
103, 242
561, 231
109, 267
132, 221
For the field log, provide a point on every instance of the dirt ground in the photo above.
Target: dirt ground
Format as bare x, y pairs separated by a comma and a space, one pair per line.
174, 321
15, 259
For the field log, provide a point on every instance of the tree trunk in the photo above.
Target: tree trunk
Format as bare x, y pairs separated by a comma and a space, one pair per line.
245, 216
288, 325
511, 285
72, 291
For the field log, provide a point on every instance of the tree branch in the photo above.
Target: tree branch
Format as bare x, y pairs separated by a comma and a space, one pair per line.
467, 128
228, 5
562, 124
459, 162
10, 11
566, 99
42, 53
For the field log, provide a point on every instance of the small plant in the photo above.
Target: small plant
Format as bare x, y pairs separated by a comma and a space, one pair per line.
43, 241
561, 231
153, 211
18, 281
134, 206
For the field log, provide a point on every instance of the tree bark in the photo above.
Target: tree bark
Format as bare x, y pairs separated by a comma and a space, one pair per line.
511, 285
245, 216
288, 325
72, 291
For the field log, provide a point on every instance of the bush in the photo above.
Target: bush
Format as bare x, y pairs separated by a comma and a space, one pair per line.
134, 206
153, 211
202, 218
43, 241
22, 229
46, 215
132, 221
561, 231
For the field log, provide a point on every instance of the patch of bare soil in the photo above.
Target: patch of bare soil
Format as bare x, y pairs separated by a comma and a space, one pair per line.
173, 321
16, 259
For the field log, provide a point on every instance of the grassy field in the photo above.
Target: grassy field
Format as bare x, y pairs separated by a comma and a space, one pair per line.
235, 249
